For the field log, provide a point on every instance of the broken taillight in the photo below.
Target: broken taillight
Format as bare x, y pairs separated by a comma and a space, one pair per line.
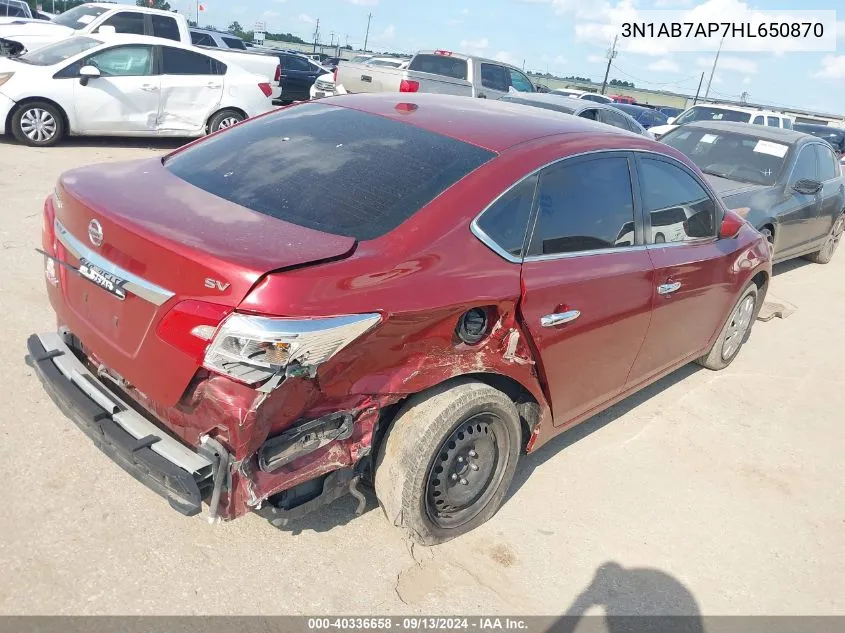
409, 85
278, 76
190, 325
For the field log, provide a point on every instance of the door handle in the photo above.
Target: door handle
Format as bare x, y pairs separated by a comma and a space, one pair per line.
552, 320
149, 88
667, 289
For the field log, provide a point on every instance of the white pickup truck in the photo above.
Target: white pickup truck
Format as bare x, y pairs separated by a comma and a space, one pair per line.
18, 36
440, 72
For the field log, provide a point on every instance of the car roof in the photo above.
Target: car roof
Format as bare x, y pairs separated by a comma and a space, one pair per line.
441, 53
115, 5
575, 103
766, 133
633, 107
494, 125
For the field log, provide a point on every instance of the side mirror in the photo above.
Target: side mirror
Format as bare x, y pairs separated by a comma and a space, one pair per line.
87, 73
670, 121
807, 186
731, 225
107, 30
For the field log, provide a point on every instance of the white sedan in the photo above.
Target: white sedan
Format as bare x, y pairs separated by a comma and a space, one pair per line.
124, 85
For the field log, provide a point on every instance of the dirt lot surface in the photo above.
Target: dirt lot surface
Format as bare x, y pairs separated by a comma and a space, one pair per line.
716, 493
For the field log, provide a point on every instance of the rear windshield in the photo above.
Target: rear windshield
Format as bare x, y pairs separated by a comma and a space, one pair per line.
705, 113
440, 65
331, 169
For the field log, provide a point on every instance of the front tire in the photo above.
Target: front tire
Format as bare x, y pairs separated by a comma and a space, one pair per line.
447, 461
38, 124
734, 333
831, 243
224, 119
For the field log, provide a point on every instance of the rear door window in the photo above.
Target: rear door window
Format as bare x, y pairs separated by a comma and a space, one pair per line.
177, 61
331, 169
166, 28
233, 42
494, 77
440, 65
202, 39
584, 205
297, 63
614, 118
772, 121
126, 22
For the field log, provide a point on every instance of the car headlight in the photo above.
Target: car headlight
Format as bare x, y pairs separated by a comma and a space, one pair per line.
252, 348
4, 77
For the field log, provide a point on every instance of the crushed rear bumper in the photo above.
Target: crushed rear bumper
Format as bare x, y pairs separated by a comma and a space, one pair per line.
136, 444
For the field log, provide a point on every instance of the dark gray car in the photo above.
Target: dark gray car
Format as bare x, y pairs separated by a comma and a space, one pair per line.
581, 108
786, 183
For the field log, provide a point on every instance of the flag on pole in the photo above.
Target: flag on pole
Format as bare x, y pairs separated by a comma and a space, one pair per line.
201, 7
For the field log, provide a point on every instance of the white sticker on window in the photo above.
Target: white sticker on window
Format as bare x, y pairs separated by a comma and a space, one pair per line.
773, 149
708, 138
86, 19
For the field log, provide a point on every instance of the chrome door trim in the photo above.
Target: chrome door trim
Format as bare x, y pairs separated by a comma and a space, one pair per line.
136, 285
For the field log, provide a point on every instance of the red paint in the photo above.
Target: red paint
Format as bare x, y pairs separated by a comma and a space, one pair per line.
421, 277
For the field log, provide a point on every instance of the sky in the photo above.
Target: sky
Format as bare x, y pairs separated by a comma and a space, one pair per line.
564, 37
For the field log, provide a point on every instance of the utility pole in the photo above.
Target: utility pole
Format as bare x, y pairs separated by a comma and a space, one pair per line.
367, 36
316, 35
697, 92
611, 55
713, 71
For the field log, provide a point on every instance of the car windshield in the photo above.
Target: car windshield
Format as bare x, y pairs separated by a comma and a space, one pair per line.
335, 170
59, 52
712, 114
741, 157
79, 17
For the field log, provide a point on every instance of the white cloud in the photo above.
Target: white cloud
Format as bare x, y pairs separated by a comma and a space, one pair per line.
833, 67
475, 45
560, 60
727, 62
671, 4
304, 17
454, 22
746, 81
464, 11
507, 58
664, 66
596, 59
364, 3
269, 13
389, 33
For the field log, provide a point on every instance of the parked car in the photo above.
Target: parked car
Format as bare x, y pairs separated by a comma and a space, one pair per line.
440, 72
579, 107
623, 99
646, 117
216, 39
97, 18
413, 332
298, 74
669, 111
786, 183
833, 135
15, 9
323, 86
123, 85
581, 94
717, 112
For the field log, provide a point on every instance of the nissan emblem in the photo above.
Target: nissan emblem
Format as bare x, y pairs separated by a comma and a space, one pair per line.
95, 233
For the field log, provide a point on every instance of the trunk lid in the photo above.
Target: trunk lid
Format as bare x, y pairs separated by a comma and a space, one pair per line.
171, 242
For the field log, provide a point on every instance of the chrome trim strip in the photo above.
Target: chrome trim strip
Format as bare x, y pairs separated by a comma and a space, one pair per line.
595, 251
134, 284
130, 420
489, 243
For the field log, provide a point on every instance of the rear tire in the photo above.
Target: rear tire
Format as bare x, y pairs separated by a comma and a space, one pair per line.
735, 331
447, 461
38, 124
224, 119
825, 254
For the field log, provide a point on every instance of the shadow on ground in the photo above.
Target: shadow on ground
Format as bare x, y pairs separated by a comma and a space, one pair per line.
625, 596
109, 141
789, 265
528, 463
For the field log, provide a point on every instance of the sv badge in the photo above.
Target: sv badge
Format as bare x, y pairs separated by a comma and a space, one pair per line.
213, 284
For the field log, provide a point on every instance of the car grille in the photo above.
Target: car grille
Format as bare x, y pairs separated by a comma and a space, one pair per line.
326, 86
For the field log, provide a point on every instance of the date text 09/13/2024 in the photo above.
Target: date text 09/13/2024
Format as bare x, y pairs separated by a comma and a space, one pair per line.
420, 623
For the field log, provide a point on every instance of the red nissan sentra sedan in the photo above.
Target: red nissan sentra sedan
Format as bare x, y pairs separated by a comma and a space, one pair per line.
366, 290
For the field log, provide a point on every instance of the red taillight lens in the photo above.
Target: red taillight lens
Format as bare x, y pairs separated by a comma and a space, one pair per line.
190, 326
335, 75
278, 75
266, 89
408, 85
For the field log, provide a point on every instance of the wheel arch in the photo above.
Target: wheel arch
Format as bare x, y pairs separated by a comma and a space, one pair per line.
223, 109
20, 104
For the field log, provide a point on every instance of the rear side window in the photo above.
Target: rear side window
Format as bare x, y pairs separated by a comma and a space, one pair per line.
680, 210
787, 123
611, 117
126, 22
331, 169
202, 39
292, 62
440, 65
166, 28
772, 121
494, 77
506, 221
233, 42
584, 206
176, 61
